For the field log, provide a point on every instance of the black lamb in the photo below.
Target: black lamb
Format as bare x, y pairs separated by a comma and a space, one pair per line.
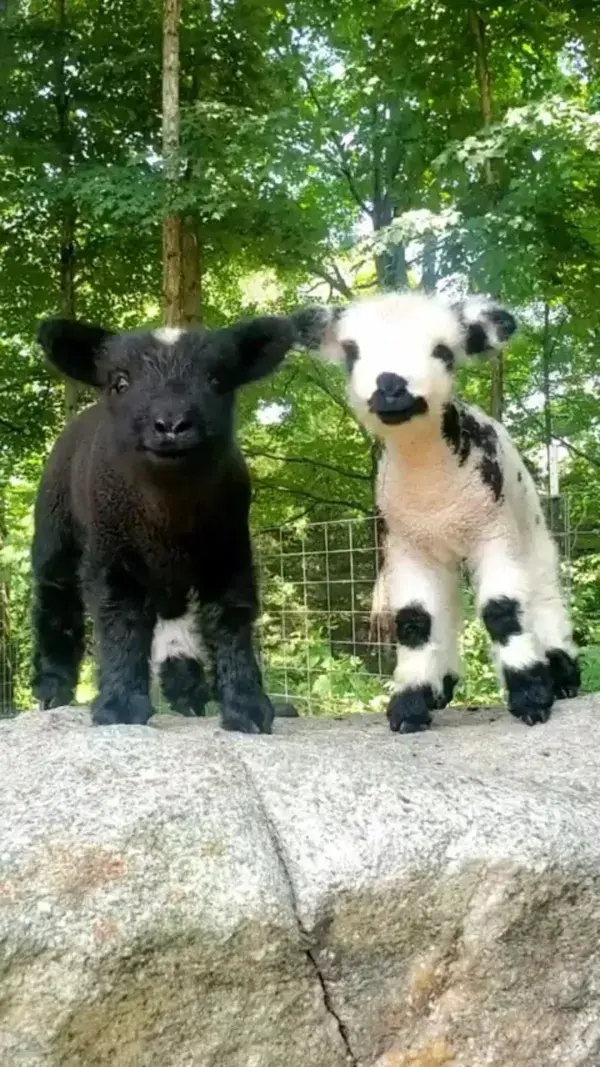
142, 519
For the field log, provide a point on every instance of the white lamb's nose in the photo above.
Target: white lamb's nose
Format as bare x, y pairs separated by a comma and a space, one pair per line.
391, 385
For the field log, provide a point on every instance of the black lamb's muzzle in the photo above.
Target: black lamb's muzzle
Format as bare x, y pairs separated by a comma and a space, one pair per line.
392, 410
195, 447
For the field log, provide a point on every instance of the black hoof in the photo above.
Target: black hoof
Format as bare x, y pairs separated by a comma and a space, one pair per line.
449, 683
530, 695
184, 686
249, 715
564, 673
409, 711
133, 710
239, 724
54, 692
286, 711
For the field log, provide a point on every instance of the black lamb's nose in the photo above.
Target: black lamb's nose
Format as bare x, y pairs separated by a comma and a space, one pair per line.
391, 385
171, 427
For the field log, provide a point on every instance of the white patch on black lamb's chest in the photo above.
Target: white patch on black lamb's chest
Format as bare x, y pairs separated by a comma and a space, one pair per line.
167, 335
178, 638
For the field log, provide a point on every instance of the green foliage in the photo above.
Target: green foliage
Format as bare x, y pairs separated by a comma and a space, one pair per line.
590, 674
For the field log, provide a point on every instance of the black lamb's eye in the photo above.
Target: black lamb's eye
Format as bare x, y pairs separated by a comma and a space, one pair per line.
120, 383
351, 353
445, 354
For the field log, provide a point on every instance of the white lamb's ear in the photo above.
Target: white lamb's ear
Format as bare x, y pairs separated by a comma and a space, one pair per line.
316, 330
485, 325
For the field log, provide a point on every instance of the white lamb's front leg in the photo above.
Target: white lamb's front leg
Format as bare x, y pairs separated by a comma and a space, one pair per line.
505, 596
422, 596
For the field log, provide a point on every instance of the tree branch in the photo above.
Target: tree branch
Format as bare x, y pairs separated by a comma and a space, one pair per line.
578, 452
11, 426
342, 161
315, 462
336, 280
294, 518
567, 444
261, 485
340, 404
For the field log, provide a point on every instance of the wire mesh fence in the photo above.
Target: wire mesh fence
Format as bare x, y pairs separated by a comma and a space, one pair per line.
317, 644
321, 650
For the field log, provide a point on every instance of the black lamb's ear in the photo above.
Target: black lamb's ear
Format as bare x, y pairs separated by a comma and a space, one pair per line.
253, 349
316, 330
486, 326
74, 348
313, 324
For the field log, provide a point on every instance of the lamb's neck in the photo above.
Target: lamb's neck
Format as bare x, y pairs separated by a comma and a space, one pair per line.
416, 443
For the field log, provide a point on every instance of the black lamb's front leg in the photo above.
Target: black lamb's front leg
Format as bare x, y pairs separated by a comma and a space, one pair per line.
123, 626
227, 630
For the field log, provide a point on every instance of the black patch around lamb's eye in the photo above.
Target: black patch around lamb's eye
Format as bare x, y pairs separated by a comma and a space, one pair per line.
351, 353
445, 354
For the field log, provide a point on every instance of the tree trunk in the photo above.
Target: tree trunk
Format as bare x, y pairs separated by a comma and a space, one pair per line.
177, 244
181, 253
6, 644
390, 265
429, 265
553, 501
172, 312
190, 274
478, 29
67, 293
68, 222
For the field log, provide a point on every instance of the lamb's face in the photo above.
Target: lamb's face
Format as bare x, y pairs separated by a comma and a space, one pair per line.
164, 397
400, 350
169, 393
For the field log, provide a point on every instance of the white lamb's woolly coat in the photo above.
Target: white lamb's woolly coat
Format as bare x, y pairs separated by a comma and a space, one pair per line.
442, 513
451, 489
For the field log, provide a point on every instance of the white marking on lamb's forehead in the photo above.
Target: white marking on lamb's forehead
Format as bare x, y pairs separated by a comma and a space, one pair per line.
417, 317
168, 335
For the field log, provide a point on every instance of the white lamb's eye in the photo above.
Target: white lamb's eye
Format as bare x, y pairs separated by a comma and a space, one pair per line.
120, 383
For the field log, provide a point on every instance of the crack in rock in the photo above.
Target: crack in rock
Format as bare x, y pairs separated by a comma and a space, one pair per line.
304, 934
342, 1028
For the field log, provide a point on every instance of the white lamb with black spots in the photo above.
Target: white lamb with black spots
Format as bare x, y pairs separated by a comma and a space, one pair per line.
451, 488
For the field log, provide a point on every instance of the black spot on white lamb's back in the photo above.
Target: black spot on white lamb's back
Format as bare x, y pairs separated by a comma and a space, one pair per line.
483, 446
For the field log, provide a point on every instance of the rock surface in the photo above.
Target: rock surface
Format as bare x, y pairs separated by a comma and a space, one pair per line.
331, 895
